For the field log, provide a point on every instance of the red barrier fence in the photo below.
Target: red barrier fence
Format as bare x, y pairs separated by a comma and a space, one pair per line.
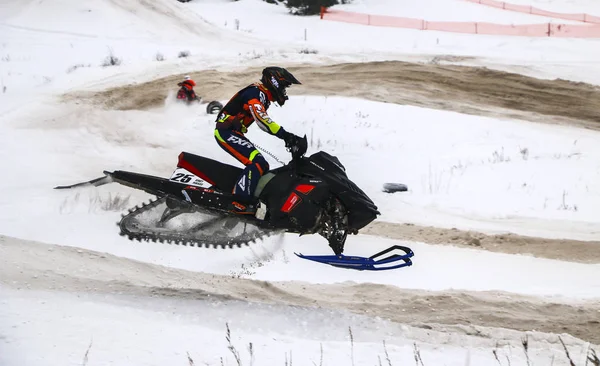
528, 30
586, 18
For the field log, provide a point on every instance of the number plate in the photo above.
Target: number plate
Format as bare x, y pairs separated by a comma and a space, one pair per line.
181, 175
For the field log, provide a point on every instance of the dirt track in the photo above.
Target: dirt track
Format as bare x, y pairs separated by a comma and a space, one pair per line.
463, 89
36, 266
561, 249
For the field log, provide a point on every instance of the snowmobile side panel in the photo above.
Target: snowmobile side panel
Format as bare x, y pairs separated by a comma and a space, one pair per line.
291, 204
321, 165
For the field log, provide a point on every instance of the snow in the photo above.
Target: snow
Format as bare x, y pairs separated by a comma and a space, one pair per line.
434, 268
73, 54
470, 172
79, 38
540, 57
100, 330
590, 7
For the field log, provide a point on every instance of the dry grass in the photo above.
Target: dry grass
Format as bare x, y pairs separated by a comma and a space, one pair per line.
591, 356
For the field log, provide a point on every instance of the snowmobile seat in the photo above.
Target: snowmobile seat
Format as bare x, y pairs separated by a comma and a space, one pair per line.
220, 175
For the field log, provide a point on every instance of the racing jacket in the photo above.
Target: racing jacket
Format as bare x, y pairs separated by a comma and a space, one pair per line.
247, 106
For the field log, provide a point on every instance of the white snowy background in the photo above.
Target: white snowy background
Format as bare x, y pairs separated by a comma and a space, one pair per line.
463, 171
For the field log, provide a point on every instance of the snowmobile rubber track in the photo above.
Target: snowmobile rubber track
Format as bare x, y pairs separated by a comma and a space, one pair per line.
175, 238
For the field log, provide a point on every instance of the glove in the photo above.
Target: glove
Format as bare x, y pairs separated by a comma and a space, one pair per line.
289, 138
295, 144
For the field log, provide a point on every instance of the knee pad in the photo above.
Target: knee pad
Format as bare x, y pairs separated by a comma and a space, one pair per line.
261, 164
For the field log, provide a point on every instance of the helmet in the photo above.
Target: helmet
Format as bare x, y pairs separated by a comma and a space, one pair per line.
277, 79
188, 82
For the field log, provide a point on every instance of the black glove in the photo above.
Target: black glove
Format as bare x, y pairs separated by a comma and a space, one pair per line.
295, 144
289, 138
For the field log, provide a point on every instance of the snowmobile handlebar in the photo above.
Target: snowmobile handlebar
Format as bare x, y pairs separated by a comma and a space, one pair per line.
299, 148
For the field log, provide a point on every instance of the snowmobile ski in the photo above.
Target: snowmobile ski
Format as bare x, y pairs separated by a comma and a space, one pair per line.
368, 264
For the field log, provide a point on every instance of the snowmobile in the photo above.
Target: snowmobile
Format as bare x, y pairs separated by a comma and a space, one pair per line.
309, 195
213, 107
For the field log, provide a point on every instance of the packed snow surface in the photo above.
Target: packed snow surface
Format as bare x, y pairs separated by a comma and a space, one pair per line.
469, 172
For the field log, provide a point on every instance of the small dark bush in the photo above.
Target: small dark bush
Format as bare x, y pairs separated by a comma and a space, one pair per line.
308, 7
111, 60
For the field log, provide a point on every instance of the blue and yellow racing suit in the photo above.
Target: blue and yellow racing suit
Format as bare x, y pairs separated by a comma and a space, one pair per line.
247, 106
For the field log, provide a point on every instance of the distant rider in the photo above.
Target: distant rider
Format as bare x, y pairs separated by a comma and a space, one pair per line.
187, 89
248, 105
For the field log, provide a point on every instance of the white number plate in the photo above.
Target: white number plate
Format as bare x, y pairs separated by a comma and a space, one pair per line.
181, 175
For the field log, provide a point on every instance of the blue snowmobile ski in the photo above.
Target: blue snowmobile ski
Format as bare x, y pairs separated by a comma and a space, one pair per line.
393, 261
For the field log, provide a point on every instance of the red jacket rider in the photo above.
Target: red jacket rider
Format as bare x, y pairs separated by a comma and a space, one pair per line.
187, 89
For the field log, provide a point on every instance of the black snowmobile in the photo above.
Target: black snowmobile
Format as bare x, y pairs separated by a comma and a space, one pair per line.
309, 195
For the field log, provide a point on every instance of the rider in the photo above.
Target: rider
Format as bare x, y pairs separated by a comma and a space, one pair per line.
246, 106
187, 89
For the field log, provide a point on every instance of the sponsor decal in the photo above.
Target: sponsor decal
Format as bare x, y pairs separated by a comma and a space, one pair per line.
305, 188
240, 141
274, 82
242, 183
291, 203
239, 206
263, 98
261, 113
